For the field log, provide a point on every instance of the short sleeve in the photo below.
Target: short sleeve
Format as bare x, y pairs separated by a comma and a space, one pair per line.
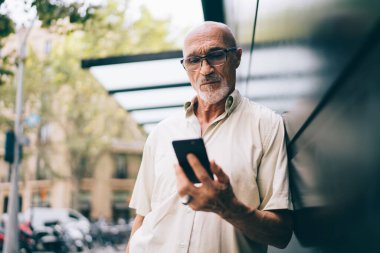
272, 177
142, 192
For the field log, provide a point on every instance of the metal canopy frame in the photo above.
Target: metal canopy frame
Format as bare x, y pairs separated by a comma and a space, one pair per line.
150, 97
273, 85
212, 11
87, 63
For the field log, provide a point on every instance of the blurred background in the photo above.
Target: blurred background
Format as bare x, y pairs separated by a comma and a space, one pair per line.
98, 76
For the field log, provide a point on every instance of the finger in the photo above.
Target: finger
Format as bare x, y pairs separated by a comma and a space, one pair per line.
184, 185
180, 174
198, 169
219, 173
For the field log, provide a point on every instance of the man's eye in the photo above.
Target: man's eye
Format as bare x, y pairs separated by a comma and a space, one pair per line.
193, 60
216, 55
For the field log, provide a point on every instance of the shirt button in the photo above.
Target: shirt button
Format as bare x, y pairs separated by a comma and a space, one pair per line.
182, 245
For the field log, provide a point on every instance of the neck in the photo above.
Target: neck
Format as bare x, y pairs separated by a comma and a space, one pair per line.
206, 113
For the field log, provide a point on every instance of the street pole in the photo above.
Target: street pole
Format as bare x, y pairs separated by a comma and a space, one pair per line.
11, 244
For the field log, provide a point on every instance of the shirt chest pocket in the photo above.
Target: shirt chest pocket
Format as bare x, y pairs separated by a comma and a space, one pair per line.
165, 184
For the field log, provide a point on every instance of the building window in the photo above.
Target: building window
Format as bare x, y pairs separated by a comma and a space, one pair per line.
85, 203
120, 210
121, 166
41, 198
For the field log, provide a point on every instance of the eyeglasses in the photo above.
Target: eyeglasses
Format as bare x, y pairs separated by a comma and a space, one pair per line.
214, 58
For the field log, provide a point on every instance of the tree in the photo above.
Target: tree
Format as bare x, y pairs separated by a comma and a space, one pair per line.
58, 90
49, 13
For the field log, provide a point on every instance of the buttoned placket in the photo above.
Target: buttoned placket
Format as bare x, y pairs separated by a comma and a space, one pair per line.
195, 127
188, 223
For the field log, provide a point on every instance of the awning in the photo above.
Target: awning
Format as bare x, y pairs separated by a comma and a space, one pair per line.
149, 86
153, 86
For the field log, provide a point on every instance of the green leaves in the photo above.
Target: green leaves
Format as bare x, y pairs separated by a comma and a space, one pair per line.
82, 119
6, 26
49, 13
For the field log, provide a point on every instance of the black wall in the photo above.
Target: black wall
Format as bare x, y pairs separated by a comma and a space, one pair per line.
320, 62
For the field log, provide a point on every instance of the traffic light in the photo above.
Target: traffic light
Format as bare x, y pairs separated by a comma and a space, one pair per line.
10, 142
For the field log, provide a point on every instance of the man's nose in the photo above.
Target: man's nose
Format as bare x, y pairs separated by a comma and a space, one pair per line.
206, 68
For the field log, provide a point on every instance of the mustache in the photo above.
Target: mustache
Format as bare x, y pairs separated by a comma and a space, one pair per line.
209, 78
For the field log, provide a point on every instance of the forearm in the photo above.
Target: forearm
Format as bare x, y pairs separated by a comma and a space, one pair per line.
267, 227
136, 225
217, 196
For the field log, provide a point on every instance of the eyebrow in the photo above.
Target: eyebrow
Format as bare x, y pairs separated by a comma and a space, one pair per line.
212, 49
215, 49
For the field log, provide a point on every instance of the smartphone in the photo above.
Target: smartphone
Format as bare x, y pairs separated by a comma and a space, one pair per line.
196, 147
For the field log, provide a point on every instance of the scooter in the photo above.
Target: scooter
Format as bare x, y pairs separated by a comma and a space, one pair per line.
51, 238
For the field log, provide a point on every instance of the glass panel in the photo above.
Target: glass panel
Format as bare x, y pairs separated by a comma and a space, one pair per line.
140, 74
312, 41
154, 98
155, 115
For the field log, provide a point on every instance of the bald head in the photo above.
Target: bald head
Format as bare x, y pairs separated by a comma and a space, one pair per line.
211, 59
210, 28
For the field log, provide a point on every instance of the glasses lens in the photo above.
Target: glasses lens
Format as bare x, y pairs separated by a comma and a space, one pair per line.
216, 58
192, 63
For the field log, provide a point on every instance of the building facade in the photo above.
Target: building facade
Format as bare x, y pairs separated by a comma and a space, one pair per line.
104, 195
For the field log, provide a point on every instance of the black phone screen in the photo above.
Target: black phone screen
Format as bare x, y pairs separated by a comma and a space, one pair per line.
196, 147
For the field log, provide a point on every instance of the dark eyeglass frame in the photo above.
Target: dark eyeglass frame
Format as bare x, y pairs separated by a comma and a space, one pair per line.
201, 58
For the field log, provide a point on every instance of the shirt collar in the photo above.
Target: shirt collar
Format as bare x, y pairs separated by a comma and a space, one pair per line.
231, 103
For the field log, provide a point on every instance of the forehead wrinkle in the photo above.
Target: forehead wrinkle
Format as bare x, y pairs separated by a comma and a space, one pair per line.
211, 34
209, 41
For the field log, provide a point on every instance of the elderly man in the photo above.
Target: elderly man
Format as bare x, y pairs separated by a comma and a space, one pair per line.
246, 206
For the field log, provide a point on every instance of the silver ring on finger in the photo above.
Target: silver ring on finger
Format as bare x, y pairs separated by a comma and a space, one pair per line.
185, 200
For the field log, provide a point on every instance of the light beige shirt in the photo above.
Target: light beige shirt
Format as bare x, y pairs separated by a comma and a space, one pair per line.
247, 141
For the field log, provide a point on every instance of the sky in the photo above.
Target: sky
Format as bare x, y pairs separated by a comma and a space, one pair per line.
183, 13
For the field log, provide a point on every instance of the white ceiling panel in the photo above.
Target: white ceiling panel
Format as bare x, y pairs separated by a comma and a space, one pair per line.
156, 115
154, 98
142, 86
140, 74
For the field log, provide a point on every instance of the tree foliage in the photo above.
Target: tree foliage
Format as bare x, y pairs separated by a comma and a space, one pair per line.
49, 13
68, 97
6, 26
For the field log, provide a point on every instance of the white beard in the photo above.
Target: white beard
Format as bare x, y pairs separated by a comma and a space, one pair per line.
212, 96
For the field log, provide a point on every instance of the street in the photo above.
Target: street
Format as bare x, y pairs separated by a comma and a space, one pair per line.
96, 249
108, 249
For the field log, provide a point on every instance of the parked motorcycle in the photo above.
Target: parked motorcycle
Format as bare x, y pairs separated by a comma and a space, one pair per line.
68, 238
51, 238
2, 235
59, 229
75, 238
26, 242
111, 235
26, 238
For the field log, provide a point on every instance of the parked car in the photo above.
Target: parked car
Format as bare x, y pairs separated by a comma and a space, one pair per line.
38, 216
67, 227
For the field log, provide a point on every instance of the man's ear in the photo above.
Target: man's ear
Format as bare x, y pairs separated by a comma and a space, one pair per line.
239, 52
